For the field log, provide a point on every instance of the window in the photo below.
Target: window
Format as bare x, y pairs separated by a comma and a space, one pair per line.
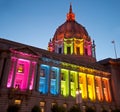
65, 105
60, 50
18, 102
42, 73
78, 50
20, 68
62, 76
53, 75
89, 81
71, 78
86, 51
53, 104
68, 50
42, 106
18, 83
44, 78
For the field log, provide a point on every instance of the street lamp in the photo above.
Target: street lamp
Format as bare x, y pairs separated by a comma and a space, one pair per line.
78, 97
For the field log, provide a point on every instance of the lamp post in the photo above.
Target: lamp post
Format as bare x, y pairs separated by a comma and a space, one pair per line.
78, 97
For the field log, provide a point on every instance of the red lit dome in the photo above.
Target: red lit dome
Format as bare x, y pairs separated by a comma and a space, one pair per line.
71, 29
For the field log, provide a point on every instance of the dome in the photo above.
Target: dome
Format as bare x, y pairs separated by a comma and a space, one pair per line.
71, 29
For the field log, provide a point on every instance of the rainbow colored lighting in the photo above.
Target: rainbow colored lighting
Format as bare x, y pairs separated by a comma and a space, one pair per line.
98, 84
78, 46
21, 78
64, 82
21, 73
68, 46
44, 78
33, 75
73, 83
54, 81
11, 73
91, 87
106, 89
82, 84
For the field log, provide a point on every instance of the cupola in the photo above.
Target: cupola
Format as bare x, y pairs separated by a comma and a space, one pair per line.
71, 38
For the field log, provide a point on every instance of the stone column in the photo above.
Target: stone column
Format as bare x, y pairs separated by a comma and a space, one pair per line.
14, 72
30, 75
94, 86
87, 86
37, 77
6, 72
49, 80
2, 61
102, 89
59, 81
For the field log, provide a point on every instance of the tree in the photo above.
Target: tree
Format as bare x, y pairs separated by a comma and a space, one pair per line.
90, 109
116, 110
57, 108
62, 109
13, 108
104, 110
36, 109
75, 108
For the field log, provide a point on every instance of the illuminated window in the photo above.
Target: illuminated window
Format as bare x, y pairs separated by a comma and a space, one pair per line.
20, 68
42, 109
22, 74
53, 75
43, 79
91, 88
42, 72
73, 83
18, 83
98, 85
18, 102
54, 81
82, 85
64, 82
106, 89
54, 103
65, 105
42, 106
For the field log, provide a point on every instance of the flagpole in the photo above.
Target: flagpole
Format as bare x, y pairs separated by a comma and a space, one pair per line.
113, 42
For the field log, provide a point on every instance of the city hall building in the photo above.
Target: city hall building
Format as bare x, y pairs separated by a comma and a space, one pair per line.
66, 74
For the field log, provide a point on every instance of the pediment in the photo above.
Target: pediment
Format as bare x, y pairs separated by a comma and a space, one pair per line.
26, 50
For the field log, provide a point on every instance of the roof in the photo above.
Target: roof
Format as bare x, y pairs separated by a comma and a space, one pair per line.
58, 57
71, 28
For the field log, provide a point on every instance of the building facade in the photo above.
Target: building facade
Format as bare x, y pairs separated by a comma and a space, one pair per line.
65, 74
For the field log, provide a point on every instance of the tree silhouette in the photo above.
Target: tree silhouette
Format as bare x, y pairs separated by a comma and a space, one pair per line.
36, 109
56, 108
75, 108
90, 109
